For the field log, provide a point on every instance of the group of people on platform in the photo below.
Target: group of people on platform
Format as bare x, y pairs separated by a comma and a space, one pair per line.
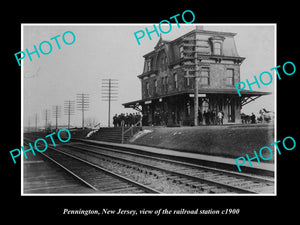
208, 117
128, 119
211, 117
160, 118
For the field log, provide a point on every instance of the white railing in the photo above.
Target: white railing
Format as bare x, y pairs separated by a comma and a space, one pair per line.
130, 129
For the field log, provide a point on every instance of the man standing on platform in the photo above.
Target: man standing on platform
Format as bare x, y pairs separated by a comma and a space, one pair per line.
220, 117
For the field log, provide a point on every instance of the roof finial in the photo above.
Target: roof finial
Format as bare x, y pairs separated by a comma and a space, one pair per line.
160, 36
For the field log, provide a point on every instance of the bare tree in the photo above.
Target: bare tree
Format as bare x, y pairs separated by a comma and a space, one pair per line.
91, 122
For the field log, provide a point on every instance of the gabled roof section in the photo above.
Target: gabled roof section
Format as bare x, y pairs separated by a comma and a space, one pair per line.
160, 42
157, 47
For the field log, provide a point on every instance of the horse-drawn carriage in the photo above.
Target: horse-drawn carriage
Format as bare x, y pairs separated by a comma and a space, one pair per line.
265, 117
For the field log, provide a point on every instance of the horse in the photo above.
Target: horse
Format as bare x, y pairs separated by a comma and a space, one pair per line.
245, 118
267, 116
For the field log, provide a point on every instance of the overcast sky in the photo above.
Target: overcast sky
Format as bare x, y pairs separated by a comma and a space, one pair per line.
111, 51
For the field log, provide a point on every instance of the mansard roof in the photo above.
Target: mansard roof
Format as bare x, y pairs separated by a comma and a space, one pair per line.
228, 49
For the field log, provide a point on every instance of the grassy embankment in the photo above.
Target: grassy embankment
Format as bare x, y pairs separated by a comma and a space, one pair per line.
227, 141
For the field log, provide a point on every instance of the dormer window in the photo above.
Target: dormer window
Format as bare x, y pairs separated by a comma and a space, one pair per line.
162, 62
217, 48
148, 65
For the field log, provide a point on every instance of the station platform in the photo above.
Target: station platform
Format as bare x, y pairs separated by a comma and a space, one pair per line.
203, 159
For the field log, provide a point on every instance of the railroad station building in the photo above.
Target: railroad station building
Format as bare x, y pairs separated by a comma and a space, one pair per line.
208, 59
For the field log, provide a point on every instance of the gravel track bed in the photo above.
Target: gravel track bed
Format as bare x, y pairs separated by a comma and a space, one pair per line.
155, 179
258, 187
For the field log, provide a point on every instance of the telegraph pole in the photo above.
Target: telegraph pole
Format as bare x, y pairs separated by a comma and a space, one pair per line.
109, 99
82, 104
36, 119
56, 114
46, 118
69, 110
28, 128
196, 99
196, 91
109, 93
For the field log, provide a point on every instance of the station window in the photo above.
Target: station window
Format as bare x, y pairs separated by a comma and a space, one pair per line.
229, 77
167, 83
181, 51
204, 76
175, 81
188, 83
155, 86
147, 89
164, 83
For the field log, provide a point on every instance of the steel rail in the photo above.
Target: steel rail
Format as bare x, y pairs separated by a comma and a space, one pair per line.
230, 173
69, 171
134, 183
226, 186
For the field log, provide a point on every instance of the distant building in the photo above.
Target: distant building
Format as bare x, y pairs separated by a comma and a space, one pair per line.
168, 79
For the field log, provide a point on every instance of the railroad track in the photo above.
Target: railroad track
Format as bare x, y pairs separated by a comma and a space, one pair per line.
95, 177
169, 176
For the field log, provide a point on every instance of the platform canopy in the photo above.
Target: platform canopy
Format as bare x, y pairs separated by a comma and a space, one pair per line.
247, 96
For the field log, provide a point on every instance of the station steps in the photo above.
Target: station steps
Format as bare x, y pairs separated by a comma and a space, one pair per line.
113, 134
